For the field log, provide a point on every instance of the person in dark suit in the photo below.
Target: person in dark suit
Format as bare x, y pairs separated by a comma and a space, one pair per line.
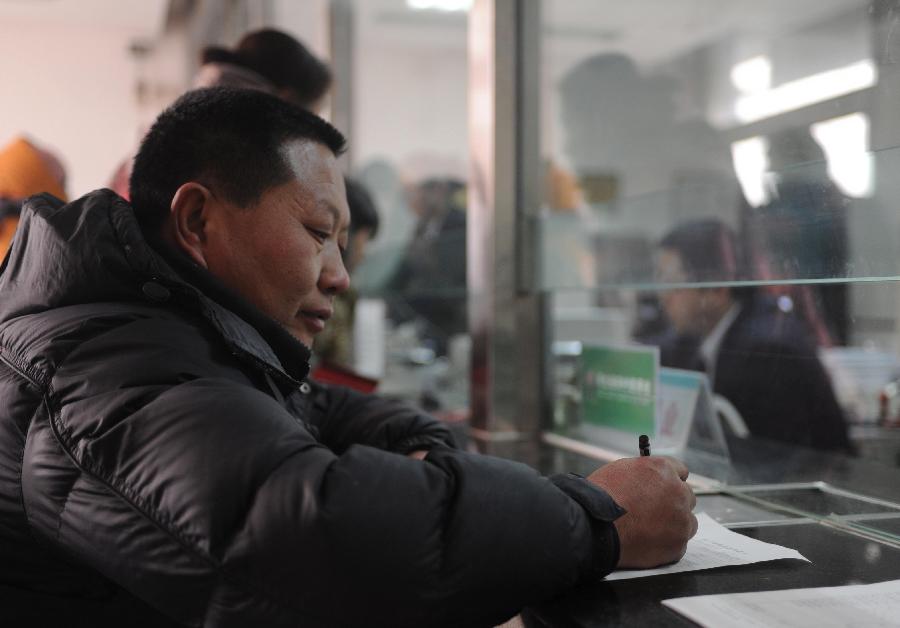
757, 351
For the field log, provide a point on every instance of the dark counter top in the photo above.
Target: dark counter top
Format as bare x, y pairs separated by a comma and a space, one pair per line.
837, 559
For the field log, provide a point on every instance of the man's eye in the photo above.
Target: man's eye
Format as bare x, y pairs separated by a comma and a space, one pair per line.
318, 234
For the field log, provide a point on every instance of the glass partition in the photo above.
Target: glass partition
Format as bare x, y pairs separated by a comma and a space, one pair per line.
808, 232
721, 183
408, 151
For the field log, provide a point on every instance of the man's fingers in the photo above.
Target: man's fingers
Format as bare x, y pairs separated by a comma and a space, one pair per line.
680, 468
694, 526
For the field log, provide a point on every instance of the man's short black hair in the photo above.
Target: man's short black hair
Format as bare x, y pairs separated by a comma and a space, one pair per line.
707, 248
228, 139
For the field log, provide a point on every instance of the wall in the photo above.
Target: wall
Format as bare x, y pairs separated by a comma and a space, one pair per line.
70, 81
410, 101
307, 21
410, 108
410, 82
72, 90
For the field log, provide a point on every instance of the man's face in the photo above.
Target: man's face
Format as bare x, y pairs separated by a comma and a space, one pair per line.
284, 253
684, 307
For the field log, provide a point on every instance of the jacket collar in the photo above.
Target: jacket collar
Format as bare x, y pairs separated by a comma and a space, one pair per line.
242, 324
92, 250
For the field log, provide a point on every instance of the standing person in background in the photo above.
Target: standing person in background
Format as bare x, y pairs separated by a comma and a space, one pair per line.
272, 62
801, 233
430, 282
25, 169
266, 60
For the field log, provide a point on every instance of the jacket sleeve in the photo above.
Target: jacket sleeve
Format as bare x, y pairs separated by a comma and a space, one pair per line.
346, 417
213, 504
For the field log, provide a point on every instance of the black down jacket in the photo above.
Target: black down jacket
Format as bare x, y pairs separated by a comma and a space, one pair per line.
162, 459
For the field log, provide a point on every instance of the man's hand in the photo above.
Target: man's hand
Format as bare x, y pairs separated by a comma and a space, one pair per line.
659, 522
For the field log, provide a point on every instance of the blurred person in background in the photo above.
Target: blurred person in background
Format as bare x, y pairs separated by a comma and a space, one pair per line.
627, 137
25, 169
758, 356
430, 282
801, 233
266, 60
270, 61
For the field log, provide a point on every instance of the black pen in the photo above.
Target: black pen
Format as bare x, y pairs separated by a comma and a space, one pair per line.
644, 444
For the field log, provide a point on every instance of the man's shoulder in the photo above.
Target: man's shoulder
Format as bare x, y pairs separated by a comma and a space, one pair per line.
105, 334
767, 357
765, 328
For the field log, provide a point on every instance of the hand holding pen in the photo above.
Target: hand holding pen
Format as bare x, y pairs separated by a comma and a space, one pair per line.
654, 492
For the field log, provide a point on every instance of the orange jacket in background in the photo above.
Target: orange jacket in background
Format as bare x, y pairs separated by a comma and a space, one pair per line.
25, 170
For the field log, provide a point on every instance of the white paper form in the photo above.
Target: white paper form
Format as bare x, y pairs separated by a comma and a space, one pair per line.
714, 545
870, 605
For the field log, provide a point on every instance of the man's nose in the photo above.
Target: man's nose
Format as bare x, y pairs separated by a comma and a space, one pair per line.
334, 278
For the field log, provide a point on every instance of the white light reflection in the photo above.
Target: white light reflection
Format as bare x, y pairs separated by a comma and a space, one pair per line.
751, 163
752, 75
440, 5
805, 91
845, 141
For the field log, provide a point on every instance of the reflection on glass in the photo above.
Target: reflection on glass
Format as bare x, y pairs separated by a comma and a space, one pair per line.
845, 141
805, 91
732, 200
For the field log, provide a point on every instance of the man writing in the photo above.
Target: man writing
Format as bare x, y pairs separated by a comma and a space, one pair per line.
161, 448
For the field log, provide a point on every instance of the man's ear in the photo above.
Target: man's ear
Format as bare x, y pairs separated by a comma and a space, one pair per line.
188, 217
